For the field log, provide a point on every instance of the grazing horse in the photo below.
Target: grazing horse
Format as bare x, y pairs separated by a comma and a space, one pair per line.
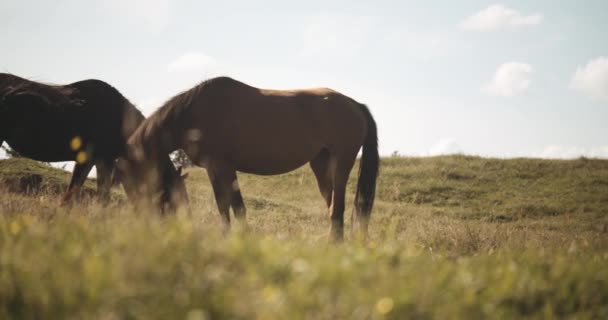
227, 126
87, 121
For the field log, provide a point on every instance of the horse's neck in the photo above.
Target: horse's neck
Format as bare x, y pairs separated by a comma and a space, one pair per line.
159, 142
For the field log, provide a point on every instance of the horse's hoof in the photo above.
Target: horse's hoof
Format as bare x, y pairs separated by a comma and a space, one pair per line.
336, 236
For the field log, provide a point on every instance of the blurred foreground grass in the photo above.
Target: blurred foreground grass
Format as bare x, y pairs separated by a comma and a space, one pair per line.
451, 237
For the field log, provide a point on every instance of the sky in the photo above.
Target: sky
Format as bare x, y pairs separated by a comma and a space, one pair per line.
496, 79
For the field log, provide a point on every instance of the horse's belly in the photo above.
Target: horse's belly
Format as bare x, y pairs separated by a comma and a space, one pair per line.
41, 144
270, 161
42, 150
269, 168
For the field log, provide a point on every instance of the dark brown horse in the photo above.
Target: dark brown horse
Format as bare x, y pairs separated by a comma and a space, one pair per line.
227, 126
87, 121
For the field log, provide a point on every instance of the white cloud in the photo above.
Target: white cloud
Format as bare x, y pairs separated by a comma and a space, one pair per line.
154, 14
497, 16
510, 79
335, 34
592, 79
445, 146
190, 61
571, 152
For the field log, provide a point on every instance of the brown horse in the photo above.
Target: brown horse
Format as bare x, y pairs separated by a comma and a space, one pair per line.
227, 126
87, 121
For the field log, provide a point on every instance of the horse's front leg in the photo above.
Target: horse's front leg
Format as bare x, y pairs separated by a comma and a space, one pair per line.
79, 175
223, 194
105, 167
238, 206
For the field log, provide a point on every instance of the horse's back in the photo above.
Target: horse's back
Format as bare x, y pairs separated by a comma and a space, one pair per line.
99, 94
97, 114
273, 131
230, 103
93, 85
332, 114
7, 79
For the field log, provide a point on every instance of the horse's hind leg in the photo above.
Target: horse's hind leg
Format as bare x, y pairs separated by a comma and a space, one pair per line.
320, 167
105, 167
79, 175
340, 166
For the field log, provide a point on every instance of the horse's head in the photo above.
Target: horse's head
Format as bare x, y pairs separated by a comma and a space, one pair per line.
152, 180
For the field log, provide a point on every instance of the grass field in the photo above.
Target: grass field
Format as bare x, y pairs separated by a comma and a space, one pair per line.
452, 237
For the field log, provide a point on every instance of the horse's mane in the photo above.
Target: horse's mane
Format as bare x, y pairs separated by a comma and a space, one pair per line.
167, 117
52, 93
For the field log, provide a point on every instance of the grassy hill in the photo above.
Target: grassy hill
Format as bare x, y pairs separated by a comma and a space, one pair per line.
451, 237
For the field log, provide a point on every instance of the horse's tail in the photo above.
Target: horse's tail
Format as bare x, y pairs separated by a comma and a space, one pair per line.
368, 172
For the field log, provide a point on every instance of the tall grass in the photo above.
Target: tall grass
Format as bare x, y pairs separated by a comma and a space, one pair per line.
451, 237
